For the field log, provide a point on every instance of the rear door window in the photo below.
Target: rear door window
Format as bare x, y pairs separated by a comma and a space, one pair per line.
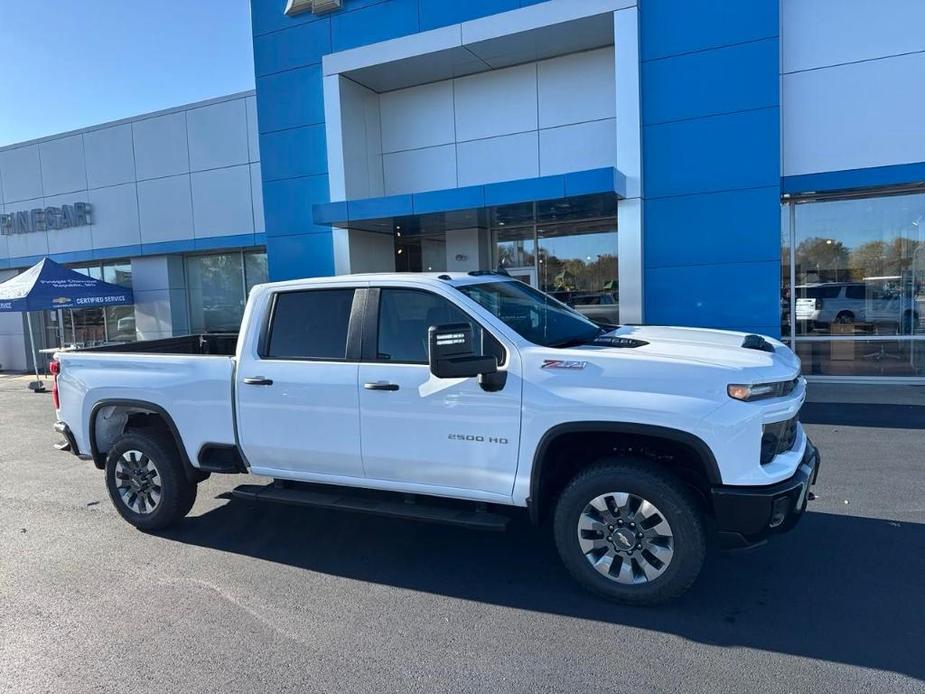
311, 325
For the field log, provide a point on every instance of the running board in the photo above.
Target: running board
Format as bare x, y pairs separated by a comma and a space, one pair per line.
377, 505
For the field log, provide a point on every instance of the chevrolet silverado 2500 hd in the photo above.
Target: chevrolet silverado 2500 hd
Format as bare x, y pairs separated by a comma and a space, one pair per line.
461, 393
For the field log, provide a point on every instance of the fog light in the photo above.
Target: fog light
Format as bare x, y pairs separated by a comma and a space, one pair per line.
779, 511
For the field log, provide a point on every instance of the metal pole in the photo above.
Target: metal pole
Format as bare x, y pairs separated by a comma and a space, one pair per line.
39, 384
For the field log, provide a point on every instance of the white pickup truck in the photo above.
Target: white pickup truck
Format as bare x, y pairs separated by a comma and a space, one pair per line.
445, 397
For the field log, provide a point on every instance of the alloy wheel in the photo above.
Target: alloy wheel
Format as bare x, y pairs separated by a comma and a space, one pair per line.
138, 482
625, 538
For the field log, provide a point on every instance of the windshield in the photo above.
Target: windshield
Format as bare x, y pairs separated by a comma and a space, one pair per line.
534, 315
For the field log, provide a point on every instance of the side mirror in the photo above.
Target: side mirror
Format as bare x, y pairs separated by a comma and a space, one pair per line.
452, 355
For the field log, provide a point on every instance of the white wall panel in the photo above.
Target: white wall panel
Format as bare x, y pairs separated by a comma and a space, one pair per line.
495, 103
109, 156
161, 146
257, 198
417, 170
576, 88
165, 209
217, 135
115, 216
74, 238
362, 140
854, 116
418, 117
498, 159
21, 173
253, 139
63, 168
578, 147
222, 203
818, 33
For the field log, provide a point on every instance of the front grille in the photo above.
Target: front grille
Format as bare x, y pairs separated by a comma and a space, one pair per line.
778, 438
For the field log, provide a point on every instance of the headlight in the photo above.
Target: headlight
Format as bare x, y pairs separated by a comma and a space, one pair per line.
761, 391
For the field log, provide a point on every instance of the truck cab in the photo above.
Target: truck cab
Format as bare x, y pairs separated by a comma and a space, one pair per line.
464, 388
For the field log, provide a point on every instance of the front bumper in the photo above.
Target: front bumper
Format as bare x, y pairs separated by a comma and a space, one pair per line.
747, 516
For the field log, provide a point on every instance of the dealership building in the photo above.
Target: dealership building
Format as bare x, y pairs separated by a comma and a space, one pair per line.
757, 166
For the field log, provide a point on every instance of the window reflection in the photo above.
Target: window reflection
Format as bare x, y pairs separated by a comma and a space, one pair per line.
859, 276
94, 326
567, 248
860, 266
218, 285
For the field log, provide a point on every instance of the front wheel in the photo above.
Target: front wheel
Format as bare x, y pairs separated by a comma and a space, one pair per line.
630, 532
146, 481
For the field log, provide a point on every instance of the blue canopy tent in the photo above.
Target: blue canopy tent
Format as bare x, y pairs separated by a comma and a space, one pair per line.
47, 286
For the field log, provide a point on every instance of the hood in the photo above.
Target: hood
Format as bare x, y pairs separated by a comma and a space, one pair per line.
699, 346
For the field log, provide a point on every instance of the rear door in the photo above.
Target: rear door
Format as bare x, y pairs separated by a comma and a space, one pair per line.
298, 410
417, 429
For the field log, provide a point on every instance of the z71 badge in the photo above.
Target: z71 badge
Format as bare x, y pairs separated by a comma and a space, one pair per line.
563, 364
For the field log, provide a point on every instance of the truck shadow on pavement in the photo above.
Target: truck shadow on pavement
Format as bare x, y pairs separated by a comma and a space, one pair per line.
838, 588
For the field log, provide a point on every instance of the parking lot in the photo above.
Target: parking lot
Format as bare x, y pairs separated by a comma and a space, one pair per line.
247, 599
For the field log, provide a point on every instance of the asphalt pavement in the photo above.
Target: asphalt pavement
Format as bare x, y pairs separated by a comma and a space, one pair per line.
239, 598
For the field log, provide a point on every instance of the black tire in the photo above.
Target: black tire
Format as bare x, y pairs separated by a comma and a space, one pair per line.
177, 493
845, 318
673, 500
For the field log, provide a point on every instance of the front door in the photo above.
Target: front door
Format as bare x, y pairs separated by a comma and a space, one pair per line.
444, 434
298, 408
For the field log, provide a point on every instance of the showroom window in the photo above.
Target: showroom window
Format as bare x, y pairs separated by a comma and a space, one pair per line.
218, 285
567, 248
94, 326
853, 285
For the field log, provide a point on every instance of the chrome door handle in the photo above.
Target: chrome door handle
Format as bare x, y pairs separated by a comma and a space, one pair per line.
258, 381
380, 386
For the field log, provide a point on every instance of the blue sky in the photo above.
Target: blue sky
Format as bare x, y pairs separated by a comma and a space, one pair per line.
66, 65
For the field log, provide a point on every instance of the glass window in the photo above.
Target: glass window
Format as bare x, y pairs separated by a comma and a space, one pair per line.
216, 292
860, 266
534, 315
859, 285
405, 315
255, 269
311, 325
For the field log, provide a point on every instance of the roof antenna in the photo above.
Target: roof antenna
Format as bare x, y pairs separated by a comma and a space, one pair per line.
501, 270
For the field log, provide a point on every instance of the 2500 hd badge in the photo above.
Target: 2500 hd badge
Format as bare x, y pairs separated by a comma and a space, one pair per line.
478, 439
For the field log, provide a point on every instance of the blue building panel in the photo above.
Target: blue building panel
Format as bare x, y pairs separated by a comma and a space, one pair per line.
269, 15
288, 205
704, 155
711, 163
440, 13
377, 22
870, 177
290, 99
732, 296
709, 83
672, 27
377, 208
734, 226
466, 198
302, 255
297, 46
294, 153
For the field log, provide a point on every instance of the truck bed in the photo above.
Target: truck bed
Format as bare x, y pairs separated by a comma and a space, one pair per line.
214, 344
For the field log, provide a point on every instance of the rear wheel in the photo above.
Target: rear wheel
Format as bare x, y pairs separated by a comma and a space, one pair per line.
146, 480
630, 532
